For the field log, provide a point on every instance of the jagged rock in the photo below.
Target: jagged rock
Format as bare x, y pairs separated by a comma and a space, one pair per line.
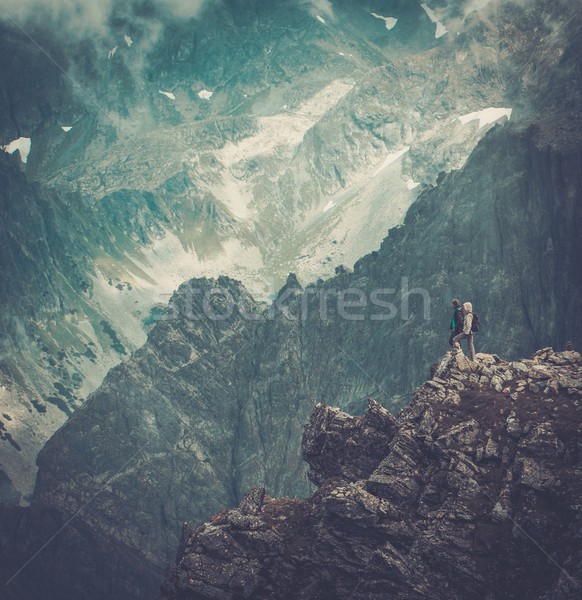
535, 475
514, 429
496, 383
465, 434
252, 501
541, 441
428, 522
338, 445
491, 449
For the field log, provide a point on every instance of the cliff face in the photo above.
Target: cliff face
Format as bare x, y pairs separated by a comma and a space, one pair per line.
473, 492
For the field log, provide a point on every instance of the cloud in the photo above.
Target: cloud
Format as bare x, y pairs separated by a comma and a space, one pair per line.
184, 8
320, 7
79, 15
473, 5
88, 16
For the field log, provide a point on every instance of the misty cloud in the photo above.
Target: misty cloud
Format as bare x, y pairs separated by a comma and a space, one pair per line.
473, 5
320, 7
79, 15
184, 8
84, 16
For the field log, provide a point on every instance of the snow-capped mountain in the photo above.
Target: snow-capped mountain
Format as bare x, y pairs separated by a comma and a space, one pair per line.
248, 140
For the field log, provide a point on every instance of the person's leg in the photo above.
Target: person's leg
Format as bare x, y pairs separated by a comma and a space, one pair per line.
451, 338
471, 347
457, 341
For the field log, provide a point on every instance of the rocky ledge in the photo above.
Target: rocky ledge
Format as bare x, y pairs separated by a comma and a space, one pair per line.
475, 491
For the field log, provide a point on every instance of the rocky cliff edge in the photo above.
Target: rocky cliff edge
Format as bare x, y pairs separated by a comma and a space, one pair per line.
475, 491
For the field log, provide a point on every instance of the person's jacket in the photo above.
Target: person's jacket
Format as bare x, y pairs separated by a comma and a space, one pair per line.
467, 323
458, 319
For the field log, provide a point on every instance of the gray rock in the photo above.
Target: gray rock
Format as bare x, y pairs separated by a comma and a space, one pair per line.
542, 442
491, 449
252, 502
514, 429
428, 522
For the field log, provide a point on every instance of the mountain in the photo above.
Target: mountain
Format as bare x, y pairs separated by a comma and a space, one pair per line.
216, 399
45, 556
247, 139
473, 492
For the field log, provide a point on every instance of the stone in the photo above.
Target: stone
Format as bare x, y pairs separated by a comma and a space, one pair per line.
252, 502
465, 433
514, 429
540, 372
520, 367
542, 442
496, 383
569, 382
491, 449
536, 475
434, 384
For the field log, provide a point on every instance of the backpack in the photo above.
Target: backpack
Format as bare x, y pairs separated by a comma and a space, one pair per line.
459, 319
475, 325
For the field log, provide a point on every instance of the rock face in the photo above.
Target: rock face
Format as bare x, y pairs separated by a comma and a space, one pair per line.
474, 492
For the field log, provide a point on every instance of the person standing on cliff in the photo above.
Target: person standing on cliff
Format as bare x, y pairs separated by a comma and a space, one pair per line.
466, 333
456, 321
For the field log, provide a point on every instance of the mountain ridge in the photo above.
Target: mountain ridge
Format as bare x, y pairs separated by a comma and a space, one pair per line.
472, 492
220, 383
140, 191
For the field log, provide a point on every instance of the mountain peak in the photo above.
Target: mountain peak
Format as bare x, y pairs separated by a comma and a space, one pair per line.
473, 489
291, 284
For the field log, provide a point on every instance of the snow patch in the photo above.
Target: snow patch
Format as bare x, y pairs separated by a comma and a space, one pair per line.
440, 28
390, 21
67, 128
320, 19
275, 136
168, 264
112, 52
486, 116
205, 94
21, 144
392, 158
168, 94
128, 41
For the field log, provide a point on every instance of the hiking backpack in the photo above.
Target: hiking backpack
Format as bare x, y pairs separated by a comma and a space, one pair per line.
475, 325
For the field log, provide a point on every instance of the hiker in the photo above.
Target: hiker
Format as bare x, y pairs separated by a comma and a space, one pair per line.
457, 321
467, 332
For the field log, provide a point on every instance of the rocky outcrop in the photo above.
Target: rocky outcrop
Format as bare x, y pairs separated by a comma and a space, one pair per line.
474, 492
